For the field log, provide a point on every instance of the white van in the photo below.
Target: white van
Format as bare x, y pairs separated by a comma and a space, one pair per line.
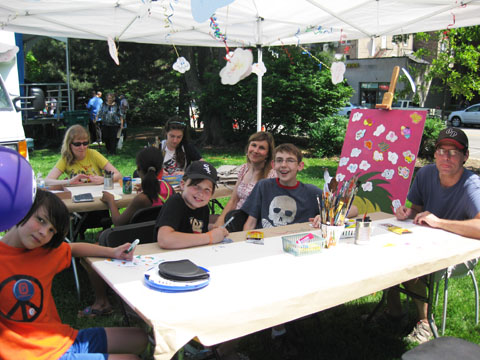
12, 134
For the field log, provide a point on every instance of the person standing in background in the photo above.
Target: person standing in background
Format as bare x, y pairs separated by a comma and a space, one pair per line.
112, 121
124, 106
94, 104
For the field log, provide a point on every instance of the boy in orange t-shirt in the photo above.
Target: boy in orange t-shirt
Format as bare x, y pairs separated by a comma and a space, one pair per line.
31, 254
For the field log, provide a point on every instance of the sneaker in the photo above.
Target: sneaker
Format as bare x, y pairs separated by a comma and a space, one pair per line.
420, 334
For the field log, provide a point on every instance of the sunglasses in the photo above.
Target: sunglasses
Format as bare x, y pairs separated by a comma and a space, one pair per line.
177, 123
77, 144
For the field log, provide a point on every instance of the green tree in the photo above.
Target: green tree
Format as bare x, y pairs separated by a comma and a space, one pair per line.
296, 93
144, 75
454, 63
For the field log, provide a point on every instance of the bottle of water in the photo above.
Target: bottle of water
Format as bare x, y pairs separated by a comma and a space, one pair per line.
40, 181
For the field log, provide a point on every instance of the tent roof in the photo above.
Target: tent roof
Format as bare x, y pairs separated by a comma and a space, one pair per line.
245, 22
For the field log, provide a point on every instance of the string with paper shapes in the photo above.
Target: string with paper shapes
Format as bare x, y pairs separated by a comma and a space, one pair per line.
447, 30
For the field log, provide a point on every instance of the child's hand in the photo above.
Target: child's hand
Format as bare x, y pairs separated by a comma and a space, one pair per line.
219, 234
79, 179
107, 197
316, 222
120, 252
95, 179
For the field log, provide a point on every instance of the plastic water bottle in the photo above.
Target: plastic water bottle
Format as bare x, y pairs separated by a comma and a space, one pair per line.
40, 181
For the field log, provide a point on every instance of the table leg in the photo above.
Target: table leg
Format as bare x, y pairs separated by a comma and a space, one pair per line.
431, 295
74, 265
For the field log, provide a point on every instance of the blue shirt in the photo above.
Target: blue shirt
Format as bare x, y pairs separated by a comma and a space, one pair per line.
458, 202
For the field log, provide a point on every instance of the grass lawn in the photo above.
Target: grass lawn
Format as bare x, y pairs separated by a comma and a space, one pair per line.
337, 333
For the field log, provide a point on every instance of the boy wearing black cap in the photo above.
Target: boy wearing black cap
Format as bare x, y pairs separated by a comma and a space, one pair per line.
184, 219
444, 195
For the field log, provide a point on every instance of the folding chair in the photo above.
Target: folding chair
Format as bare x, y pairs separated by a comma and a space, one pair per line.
457, 271
146, 214
119, 235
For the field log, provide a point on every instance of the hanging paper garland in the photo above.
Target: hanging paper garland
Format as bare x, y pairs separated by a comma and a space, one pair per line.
320, 63
217, 34
238, 67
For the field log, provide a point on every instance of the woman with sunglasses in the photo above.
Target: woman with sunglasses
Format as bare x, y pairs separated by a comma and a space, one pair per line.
177, 151
78, 162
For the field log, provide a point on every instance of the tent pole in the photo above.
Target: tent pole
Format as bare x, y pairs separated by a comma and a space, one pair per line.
69, 95
259, 91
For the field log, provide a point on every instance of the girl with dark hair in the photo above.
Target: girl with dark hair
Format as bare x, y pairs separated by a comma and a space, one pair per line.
154, 192
177, 151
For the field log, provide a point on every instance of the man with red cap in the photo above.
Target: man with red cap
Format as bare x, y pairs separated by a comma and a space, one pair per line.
443, 195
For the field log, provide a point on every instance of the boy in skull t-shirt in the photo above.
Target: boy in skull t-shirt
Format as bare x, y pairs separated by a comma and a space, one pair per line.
283, 200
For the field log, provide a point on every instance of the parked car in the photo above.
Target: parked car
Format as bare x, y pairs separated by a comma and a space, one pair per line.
347, 109
410, 105
468, 116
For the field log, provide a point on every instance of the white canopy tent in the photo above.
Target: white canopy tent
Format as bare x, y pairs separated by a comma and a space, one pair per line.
245, 23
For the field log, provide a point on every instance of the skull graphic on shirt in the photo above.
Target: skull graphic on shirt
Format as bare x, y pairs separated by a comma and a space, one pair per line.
282, 210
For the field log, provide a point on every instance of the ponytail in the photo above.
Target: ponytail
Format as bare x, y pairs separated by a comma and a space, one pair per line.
150, 185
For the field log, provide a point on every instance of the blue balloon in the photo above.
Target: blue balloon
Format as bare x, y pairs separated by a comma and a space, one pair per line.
17, 188
203, 9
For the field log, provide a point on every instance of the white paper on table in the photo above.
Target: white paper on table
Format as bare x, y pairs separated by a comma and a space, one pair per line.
96, 190
146, 261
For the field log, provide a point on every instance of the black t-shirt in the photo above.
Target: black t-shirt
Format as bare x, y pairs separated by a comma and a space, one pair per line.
176, 214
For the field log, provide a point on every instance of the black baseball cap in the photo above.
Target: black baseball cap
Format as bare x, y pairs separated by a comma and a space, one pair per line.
453, 136
201, 170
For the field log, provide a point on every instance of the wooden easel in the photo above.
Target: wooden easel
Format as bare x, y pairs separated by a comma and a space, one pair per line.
388, 96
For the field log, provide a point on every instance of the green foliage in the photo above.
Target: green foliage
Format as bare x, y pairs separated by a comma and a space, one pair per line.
144, 75
430, 133
326, 135
296, 92
457, 66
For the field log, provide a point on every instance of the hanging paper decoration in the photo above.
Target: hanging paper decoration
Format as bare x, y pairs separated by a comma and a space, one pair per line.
337, 69
217, 34
238, 67
320, 63
181, 65
412, 83
112, 49
259, 69
7, 52
203, 9
287, 52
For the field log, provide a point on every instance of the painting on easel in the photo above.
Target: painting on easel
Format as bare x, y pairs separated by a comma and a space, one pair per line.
381, 146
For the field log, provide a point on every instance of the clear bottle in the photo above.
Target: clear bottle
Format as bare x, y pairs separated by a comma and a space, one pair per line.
40, 181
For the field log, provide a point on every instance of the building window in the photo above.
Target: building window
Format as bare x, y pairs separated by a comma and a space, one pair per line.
371, 93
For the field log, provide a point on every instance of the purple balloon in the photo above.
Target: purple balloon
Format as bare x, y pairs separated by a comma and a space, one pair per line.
17, 188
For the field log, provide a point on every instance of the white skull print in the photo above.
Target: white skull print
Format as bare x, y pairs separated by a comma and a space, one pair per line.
282, 210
